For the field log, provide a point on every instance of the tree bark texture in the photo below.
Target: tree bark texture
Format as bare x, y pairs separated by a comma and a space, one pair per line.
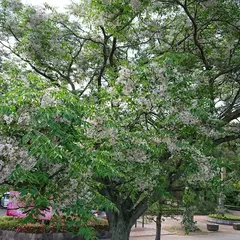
119, 226
122, 221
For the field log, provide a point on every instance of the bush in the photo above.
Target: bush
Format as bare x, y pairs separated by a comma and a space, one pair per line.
32, 228
6, 218
9, 223
225, 217
18, 225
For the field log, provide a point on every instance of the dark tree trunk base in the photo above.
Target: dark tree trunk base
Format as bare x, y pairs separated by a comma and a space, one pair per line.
120, 232
158, 226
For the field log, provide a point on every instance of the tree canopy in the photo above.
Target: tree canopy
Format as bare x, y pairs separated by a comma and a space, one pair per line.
116, 103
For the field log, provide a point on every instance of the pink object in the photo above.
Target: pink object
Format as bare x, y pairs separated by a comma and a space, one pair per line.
16, 208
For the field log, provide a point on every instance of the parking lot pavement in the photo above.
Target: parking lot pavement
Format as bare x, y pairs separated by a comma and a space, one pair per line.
2, 211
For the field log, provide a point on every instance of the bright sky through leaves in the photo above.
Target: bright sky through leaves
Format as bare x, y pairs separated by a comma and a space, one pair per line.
57, 3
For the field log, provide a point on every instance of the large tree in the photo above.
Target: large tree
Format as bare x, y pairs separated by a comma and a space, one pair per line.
117, 101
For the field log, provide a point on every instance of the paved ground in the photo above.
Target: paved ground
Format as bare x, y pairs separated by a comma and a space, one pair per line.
172, 230
215, 236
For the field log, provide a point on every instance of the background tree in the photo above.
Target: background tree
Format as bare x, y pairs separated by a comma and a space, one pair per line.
163, 208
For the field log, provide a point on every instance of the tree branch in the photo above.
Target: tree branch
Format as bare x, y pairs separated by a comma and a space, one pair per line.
81, 37
226, 139
226, 71
71, 63
139, 209
105, 58
114, 47
227, 112
195, 34
231, 116
89, 82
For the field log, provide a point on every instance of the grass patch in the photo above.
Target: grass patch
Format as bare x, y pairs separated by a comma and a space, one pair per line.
225, 217
179, 230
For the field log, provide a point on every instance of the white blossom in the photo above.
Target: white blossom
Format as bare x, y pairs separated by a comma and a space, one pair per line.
8, 118
14, 5
12, 154
124, 75
187, 118
97, 130
128, 87
48, 100
170, 142
136, 155
1, 164
24, 118
144, 102
205, 170
39, 15
135, 4
107, 1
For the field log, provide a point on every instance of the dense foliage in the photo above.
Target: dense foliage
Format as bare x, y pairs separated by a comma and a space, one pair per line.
117, 103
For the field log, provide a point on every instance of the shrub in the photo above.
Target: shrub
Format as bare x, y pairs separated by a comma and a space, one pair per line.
9, 223
31, 228
225, 217
18, 225
5, 218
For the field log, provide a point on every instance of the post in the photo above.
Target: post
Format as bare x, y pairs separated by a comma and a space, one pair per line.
142, 221
221, 198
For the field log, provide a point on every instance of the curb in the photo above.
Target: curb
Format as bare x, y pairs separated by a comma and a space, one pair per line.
222, 221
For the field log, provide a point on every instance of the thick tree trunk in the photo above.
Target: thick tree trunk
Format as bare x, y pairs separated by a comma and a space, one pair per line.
120, 227
188, 219
121, 231
158, 226
122, 221
129, 210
